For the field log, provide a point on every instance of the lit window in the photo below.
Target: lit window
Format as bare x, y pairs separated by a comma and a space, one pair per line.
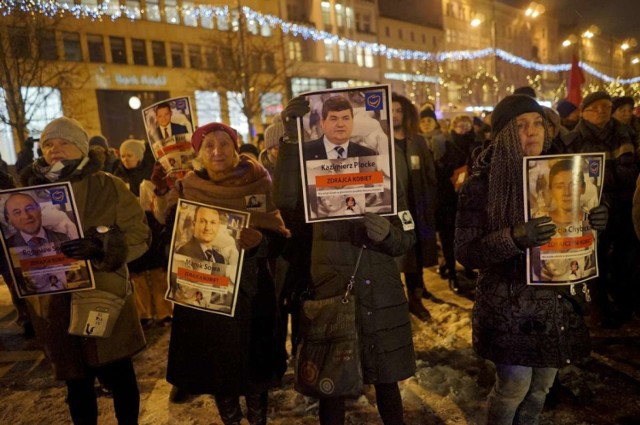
271, 105
295, 50
237, 118
208, 107
189, 14
171, 11
265, 30
206, 21
299, 85
134, 9
349, 16
328, 51
252, 26
369, 61
326, 13
342, 53
113, 8
223, 23
72, 50
339, 15
153, 10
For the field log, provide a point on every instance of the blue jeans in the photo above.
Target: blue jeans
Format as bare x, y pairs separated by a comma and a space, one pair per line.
518, 395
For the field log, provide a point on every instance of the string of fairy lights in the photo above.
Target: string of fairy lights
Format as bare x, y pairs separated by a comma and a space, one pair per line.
108, 10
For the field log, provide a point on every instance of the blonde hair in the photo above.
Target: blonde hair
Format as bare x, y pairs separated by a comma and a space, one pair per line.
459, 118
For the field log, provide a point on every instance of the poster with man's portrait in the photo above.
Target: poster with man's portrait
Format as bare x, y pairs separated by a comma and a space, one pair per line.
564, 188
169, 126
205, 260
347, 155
36, 220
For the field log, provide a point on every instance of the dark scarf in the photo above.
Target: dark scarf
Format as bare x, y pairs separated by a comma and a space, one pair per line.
133, 176
40, 172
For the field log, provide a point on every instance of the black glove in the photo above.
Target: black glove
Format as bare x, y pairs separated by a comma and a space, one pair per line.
296, 108
83, 249
159, 179
535, 232
598, 217
377, 227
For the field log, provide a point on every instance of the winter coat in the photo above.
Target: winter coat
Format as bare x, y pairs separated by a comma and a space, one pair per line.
636, 209
133, 177
421, 193
383, 319
447, 196
513, 323
215, 354
101, 200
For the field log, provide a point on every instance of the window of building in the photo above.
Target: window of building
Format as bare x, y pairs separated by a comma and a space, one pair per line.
188, 14
139, 49
255, 62
153, 10
95, 43
271, 105
223, 22
20, 43
342, 52
177, 55
211, 55
365, 57
269, 63
47, 45
326, 14
159, 53
351, 54
91, 3
118, 50
252, 26
265, 30
299, 85
205, 20
207, 107
348, 12
295, 50
389, 63
328, 51
237, 119
235, 20
226, 55
340, 18
195, 58
171, 11
366, 23
134, 9
113, 8
72, 50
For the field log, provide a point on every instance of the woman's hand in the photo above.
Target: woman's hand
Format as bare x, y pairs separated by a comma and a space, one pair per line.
249, 238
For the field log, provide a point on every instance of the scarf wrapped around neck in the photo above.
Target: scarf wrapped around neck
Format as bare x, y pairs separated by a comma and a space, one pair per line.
229, 190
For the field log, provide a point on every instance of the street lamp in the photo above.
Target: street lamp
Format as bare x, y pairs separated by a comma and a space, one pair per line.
534, 10
628, 43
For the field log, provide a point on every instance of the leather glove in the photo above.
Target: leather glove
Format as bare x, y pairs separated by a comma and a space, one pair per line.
377, 227
296, 108
83, 249
535, 232
159, 179
598, 217
249, 238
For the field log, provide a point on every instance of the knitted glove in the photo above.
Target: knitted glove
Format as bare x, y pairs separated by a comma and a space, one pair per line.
83, 249
536, 232
159, 179
296, 108
598, 217
377, 227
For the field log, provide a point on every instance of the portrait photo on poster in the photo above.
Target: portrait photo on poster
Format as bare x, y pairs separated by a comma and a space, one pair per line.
347, 154
35, 221
205, 261
564, 188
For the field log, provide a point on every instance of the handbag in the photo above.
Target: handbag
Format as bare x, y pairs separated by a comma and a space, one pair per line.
94, 313
328, 356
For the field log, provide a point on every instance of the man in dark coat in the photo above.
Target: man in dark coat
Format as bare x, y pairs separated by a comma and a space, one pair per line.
618, 249
205, 228
337, 123
165, 127
421, 188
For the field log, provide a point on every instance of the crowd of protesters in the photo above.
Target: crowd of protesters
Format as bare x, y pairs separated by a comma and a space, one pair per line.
459, 180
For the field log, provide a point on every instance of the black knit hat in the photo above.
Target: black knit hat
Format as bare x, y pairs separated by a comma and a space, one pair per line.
509, 108
621, 101
565, 108
428, 113
529, 91
594, 97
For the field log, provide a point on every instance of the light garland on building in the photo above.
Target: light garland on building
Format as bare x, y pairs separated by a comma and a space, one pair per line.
52, 8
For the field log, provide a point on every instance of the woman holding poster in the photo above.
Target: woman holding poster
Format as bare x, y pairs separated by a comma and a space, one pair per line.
106, 208
212, 353
527, 331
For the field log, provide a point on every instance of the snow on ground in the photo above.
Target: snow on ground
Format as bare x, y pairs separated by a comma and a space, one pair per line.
450, 385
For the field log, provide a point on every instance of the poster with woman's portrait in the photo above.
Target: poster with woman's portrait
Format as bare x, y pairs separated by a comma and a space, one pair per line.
36, 220
564, 188
169, 126
205, 261
347, 155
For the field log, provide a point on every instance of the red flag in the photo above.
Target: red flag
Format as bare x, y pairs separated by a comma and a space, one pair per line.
576, 79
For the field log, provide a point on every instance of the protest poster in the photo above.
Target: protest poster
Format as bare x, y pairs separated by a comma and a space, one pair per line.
36, 221
169, 126
564, 188
205, 261
347, 154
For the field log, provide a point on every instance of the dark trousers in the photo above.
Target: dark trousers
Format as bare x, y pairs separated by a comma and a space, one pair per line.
120, 378
388, 400
447, 236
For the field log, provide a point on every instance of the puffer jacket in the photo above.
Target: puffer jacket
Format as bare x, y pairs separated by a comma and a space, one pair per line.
101, 200
384, 326
513, 323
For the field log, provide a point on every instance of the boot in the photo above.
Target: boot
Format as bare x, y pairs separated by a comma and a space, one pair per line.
453, 283
416, 307
229, 409
442, 270
257, 408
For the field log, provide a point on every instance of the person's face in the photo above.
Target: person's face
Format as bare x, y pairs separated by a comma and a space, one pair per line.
462, 127
427, 124
163, 116
331, 203
24, 214
218, 152
598, 113
574, 266
351, 202
531, 132
338, 126
274, 152
206, 225
54, 150
396, 112
566, 191
624, 114
129, 160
